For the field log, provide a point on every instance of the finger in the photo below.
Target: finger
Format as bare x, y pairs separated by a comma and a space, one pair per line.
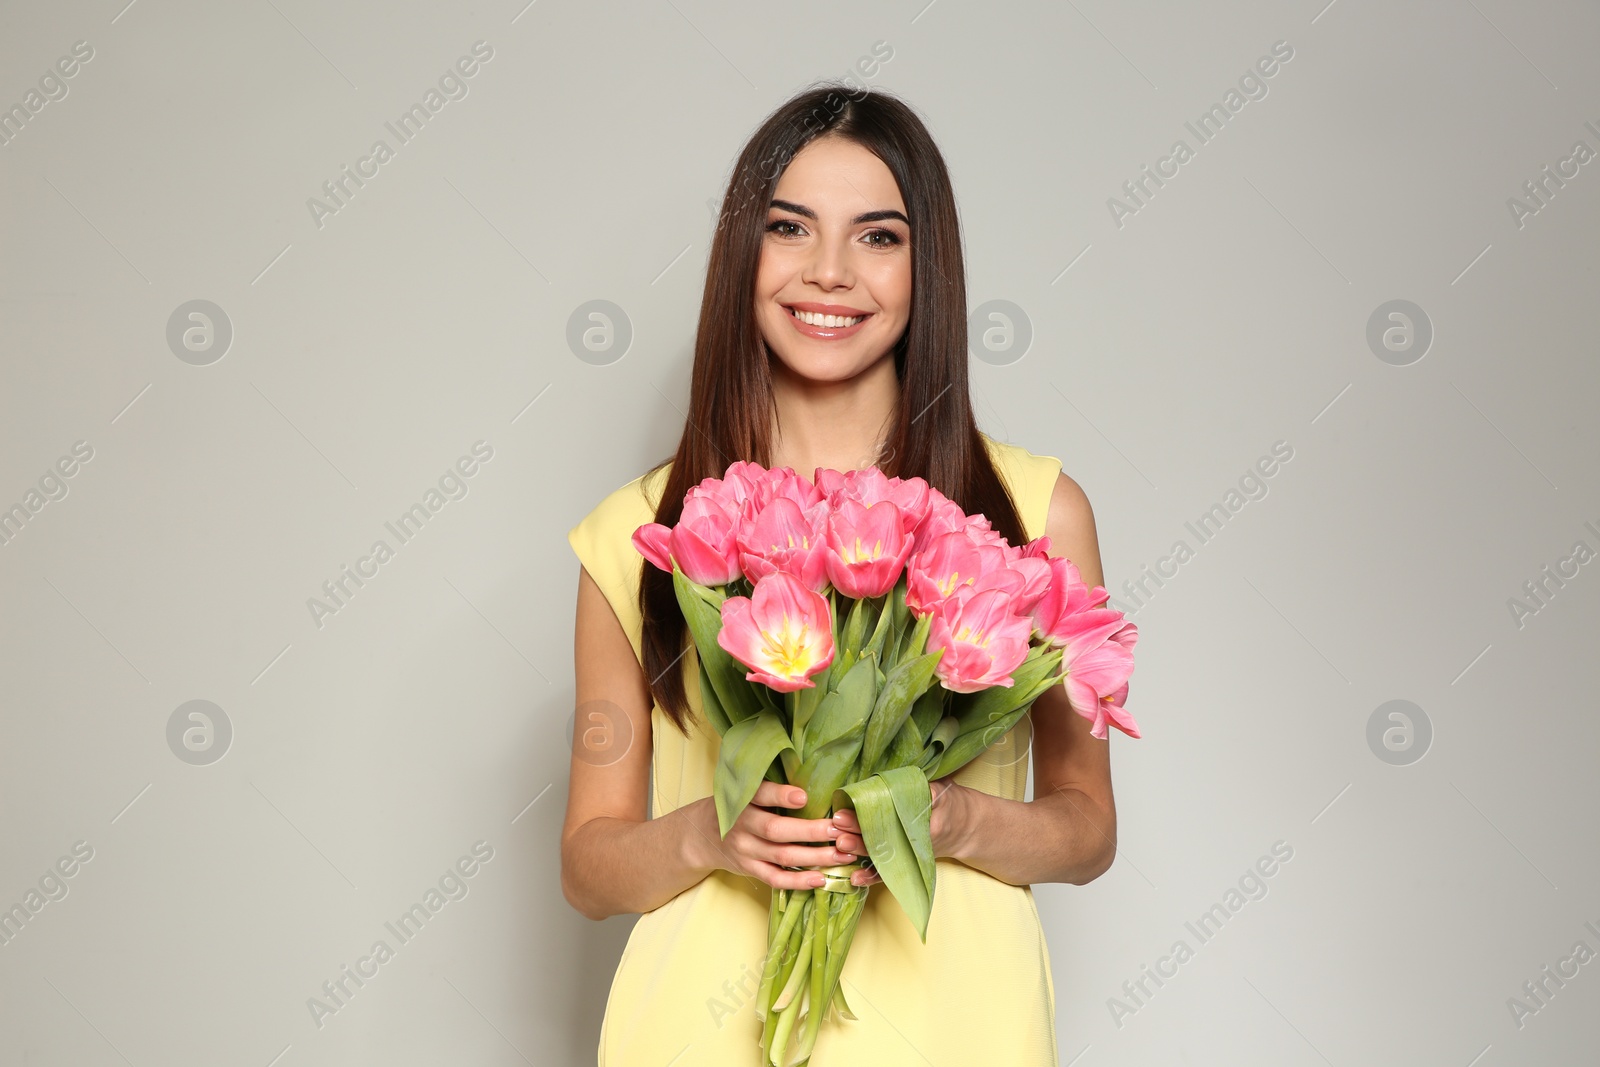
788, 828
806, 855
852, 844
778, 795
779, 878
865, 877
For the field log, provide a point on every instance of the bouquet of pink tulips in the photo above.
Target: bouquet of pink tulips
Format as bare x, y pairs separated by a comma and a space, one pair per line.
859, 637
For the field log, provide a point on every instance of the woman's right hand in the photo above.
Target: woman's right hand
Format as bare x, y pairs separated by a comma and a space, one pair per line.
762, 843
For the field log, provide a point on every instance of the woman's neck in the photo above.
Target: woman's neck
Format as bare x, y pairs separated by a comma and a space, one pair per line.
837, 425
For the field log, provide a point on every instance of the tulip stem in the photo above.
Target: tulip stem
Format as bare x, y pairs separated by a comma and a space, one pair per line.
778, 925
782, 954
821, 949
802, 961
811, 933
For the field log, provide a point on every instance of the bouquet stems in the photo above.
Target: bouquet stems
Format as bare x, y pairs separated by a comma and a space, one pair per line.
809, 934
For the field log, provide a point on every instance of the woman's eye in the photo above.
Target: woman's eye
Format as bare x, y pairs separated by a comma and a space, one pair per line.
890, 238
777, 227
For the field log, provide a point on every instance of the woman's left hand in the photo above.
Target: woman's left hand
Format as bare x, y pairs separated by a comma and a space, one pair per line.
948, 808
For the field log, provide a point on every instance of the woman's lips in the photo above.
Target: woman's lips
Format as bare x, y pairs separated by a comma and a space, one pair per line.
825, 333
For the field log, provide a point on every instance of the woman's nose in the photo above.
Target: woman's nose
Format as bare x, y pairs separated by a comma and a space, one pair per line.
829, 264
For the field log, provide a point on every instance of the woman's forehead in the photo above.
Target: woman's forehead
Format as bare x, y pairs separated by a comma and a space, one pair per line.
838, 176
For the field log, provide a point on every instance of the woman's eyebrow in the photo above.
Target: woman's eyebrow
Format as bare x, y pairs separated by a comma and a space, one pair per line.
866, 216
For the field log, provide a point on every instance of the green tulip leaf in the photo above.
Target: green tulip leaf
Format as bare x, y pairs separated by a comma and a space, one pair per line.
913, 800
1031, 677
711, 704
977, 736
748, 749
803, 702
889, 837
701, 607
882, 628
947, 730
966, 747
844, 708
904, 685
826, 768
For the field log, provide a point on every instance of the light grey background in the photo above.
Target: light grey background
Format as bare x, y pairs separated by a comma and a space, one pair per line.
1168, 354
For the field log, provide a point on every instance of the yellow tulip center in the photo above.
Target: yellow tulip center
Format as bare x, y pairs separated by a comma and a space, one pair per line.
860, 553
789, 650
972, 635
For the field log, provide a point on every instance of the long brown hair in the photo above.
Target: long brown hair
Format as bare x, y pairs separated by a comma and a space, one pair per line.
933, 434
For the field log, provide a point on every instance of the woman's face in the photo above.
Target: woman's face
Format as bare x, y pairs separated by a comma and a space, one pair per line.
837, 243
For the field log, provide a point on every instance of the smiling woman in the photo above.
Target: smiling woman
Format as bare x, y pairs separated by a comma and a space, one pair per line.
832, 334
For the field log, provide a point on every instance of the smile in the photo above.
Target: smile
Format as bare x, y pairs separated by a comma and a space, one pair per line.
826, 327
812, 319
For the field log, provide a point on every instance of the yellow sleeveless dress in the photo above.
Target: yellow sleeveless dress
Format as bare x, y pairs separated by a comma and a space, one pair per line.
979, 991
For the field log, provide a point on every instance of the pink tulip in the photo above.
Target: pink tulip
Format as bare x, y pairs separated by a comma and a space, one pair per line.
783, 537
983, 640
734, 491
783, 632
867, 547
1067, 595
1111, 711
943, 516
870, 486
758, 487
1030, 579
785, 484
702, 542
956, 558
654, 542
950, 561
1097, 682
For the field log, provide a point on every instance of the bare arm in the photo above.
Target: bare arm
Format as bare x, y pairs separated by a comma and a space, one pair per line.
1068, 832
615, 859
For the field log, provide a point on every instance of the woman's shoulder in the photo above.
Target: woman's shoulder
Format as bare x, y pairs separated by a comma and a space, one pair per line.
1030, 476
603, 539
635, 498
1016, 454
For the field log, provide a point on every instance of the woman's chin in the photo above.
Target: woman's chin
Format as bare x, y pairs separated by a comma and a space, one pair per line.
824, 366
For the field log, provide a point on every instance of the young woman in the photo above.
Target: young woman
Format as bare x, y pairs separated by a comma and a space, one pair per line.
832, 334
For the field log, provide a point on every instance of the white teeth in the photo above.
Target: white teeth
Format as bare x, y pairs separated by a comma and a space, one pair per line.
835, 321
